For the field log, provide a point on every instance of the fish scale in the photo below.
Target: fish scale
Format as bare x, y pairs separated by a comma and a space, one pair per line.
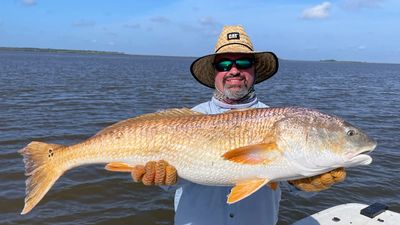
246, 149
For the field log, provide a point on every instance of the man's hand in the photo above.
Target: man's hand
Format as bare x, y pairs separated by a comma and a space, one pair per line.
320, 182
155, 173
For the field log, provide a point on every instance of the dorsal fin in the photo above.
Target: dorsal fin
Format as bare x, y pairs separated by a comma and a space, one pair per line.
239, 110
168, 113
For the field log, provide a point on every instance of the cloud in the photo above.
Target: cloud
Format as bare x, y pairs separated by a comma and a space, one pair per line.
189, 28
361, 47
83, 23
359, 4
132, 26
311, 48
159, 19
208, 21
320, 11
195, 8
112, 34
204, 25
29, 2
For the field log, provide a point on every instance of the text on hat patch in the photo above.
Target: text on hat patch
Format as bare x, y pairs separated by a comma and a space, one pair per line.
233, 35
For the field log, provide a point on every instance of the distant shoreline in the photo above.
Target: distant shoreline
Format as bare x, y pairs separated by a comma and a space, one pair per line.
51, 50
334, 61
94, 52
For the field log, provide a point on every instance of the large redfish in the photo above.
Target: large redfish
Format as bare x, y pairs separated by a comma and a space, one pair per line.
246, 149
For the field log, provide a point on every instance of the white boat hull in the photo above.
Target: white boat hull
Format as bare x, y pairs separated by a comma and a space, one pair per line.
349, 214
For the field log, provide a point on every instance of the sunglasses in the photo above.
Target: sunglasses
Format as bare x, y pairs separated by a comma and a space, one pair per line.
226, 64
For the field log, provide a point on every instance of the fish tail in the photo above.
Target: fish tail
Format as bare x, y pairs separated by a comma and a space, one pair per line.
42, 170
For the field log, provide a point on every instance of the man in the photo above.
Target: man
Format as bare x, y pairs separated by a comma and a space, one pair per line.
232, 71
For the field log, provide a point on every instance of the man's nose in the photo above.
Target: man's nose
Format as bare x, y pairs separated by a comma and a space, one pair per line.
234, 70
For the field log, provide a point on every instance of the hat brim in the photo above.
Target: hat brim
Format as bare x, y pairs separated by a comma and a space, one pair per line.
266, 65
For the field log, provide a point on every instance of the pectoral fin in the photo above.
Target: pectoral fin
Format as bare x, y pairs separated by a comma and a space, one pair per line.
254, 154
119, 167
243, 189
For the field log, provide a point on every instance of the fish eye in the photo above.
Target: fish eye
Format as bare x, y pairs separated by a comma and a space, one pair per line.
351, 133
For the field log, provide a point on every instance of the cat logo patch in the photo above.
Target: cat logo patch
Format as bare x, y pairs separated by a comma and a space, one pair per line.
233, 35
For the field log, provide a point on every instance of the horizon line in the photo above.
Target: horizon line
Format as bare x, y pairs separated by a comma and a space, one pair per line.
94, 52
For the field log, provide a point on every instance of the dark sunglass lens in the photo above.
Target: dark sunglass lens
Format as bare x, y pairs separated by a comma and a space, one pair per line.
224, 65
244, 63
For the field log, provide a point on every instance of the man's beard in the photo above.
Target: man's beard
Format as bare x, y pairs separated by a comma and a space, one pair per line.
236, 94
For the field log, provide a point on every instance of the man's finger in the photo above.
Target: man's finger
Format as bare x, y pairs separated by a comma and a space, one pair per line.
339, 174
327, 179
170, 175
317, 184
137, 173
160, 172
148, 178
305, 187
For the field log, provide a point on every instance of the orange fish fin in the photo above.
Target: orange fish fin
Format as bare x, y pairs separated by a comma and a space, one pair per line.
41, 170
238, 110
118, 167
273, 185
168, 113
254, 154
245, 188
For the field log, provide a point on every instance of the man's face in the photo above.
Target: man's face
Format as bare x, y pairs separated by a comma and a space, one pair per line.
235, 82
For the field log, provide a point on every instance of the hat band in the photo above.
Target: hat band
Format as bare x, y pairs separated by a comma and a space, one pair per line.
216, 51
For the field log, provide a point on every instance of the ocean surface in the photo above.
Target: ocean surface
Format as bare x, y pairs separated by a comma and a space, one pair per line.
66, 98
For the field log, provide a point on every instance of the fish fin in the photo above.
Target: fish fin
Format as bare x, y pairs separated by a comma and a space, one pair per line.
239, 110
244, 189
273, 185
168, 113
41, 169
254, 154
118, 167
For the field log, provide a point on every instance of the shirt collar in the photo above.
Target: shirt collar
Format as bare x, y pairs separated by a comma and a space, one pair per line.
234, 106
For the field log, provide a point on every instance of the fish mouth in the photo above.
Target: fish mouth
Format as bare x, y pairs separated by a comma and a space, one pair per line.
359, 160
361, 157
366, 149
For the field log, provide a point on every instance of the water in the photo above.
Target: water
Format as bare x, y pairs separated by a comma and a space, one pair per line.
66, 98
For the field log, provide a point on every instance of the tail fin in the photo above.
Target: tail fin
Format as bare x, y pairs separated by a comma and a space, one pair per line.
41, 169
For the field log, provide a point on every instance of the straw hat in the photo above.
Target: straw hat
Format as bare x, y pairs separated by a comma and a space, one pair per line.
233, 39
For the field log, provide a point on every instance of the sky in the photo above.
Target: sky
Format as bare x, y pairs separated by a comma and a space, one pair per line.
348, 30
